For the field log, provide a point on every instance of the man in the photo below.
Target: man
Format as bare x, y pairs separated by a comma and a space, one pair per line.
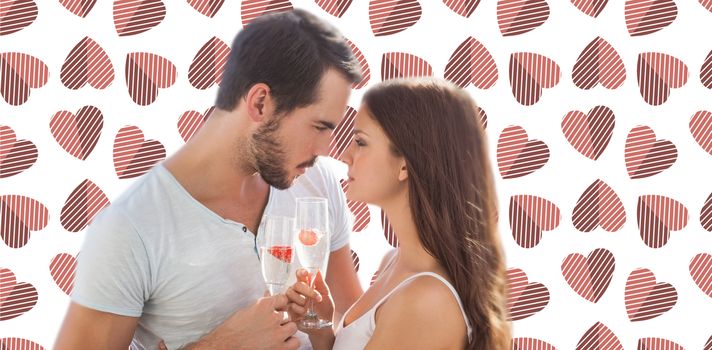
175, 257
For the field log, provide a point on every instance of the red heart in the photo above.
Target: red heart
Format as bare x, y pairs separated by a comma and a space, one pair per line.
393, 16
87, 63
708, 344
531, 344
342, 136
80, 8
403, 65
464, 8
645, 156
472, 63
483, 117
706, 214
657, 216
599, 205
520, 16
644, 299
706, 70
133, 17
356, 260
365, 70
207, 7
82, 205
707, 4
16, 15
20, 73
78, 134
599, 62
62, 268
15, 298
529, 216
358, 209
133, 155
335, 8
15, 156
145, 74
657, 74
701, 272
529, 73
657, 344
701, 129
388, 231
518, 156
523, 298
648, 16
21, 215
599, 337
589, 134
374, 277
252, 9
589, 276
19, 344
208, 64
191, 121
592, 8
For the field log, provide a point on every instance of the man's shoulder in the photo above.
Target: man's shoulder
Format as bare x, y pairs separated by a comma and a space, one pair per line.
141, 199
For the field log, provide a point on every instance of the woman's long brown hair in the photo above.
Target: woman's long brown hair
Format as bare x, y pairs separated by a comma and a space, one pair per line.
436, 127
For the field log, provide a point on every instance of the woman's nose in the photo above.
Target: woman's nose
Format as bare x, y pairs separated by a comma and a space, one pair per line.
346, 157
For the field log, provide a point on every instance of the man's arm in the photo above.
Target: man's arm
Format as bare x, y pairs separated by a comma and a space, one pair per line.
342, 281
85, 328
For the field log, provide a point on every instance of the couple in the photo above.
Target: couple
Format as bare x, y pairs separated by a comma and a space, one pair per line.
174, 258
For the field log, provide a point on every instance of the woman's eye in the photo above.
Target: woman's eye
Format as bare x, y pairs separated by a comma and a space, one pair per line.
359, 142
321, 128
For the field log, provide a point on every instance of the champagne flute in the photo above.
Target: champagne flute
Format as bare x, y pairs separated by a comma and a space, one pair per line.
276, 252
312, 243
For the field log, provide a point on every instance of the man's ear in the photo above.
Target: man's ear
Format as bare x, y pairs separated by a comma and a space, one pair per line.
403, 172
257, 100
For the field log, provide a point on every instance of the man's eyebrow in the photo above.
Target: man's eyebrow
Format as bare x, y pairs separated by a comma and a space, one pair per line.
327, 124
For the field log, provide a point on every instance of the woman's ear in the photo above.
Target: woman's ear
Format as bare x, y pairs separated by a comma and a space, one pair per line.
403, 172
257, 99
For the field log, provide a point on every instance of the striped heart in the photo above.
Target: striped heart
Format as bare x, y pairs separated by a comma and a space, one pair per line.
16, 15
336, 8
472, 63
599, 62
657, 74
356, 260
592, 8
133, 155
360, 211
657, 216
589, 133
20, 73
706, 214
208, 64
393, 16
483, 117
644, 17
388, 230
599, 205
523, 298
191, 121
374, 277
529, 73
518, 156
343, 134
646, 156
708, 344
15, 298
15, 156
403, 65
464, 8
365, 70
644, 299
80, 8
19, 344
706, 70
133, 17
251, 9
589, 276
529, 216
87, 63
701, 129
599, 337
207, 7
82, 205
708, 5
701, 272
62, 268
657, 344
145, 74
78, 133
520, 16
20, 216
531, 344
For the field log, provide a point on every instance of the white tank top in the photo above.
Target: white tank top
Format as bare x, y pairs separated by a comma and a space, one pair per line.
356, 335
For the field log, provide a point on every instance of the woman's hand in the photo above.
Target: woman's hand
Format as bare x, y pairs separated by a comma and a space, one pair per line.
300, 293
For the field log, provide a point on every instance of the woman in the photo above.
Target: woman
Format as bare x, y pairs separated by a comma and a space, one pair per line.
419, 153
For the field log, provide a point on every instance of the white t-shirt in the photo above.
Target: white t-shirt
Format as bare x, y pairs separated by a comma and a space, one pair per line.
158, 254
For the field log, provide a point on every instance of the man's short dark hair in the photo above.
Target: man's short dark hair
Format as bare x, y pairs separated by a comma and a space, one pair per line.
288, 51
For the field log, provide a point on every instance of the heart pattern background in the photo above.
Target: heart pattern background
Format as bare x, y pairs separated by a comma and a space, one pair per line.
598, 119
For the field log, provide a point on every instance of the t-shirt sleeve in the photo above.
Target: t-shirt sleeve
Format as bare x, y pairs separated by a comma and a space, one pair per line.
342, 222
113, 272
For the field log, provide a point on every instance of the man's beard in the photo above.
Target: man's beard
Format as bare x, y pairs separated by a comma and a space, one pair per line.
270, 156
